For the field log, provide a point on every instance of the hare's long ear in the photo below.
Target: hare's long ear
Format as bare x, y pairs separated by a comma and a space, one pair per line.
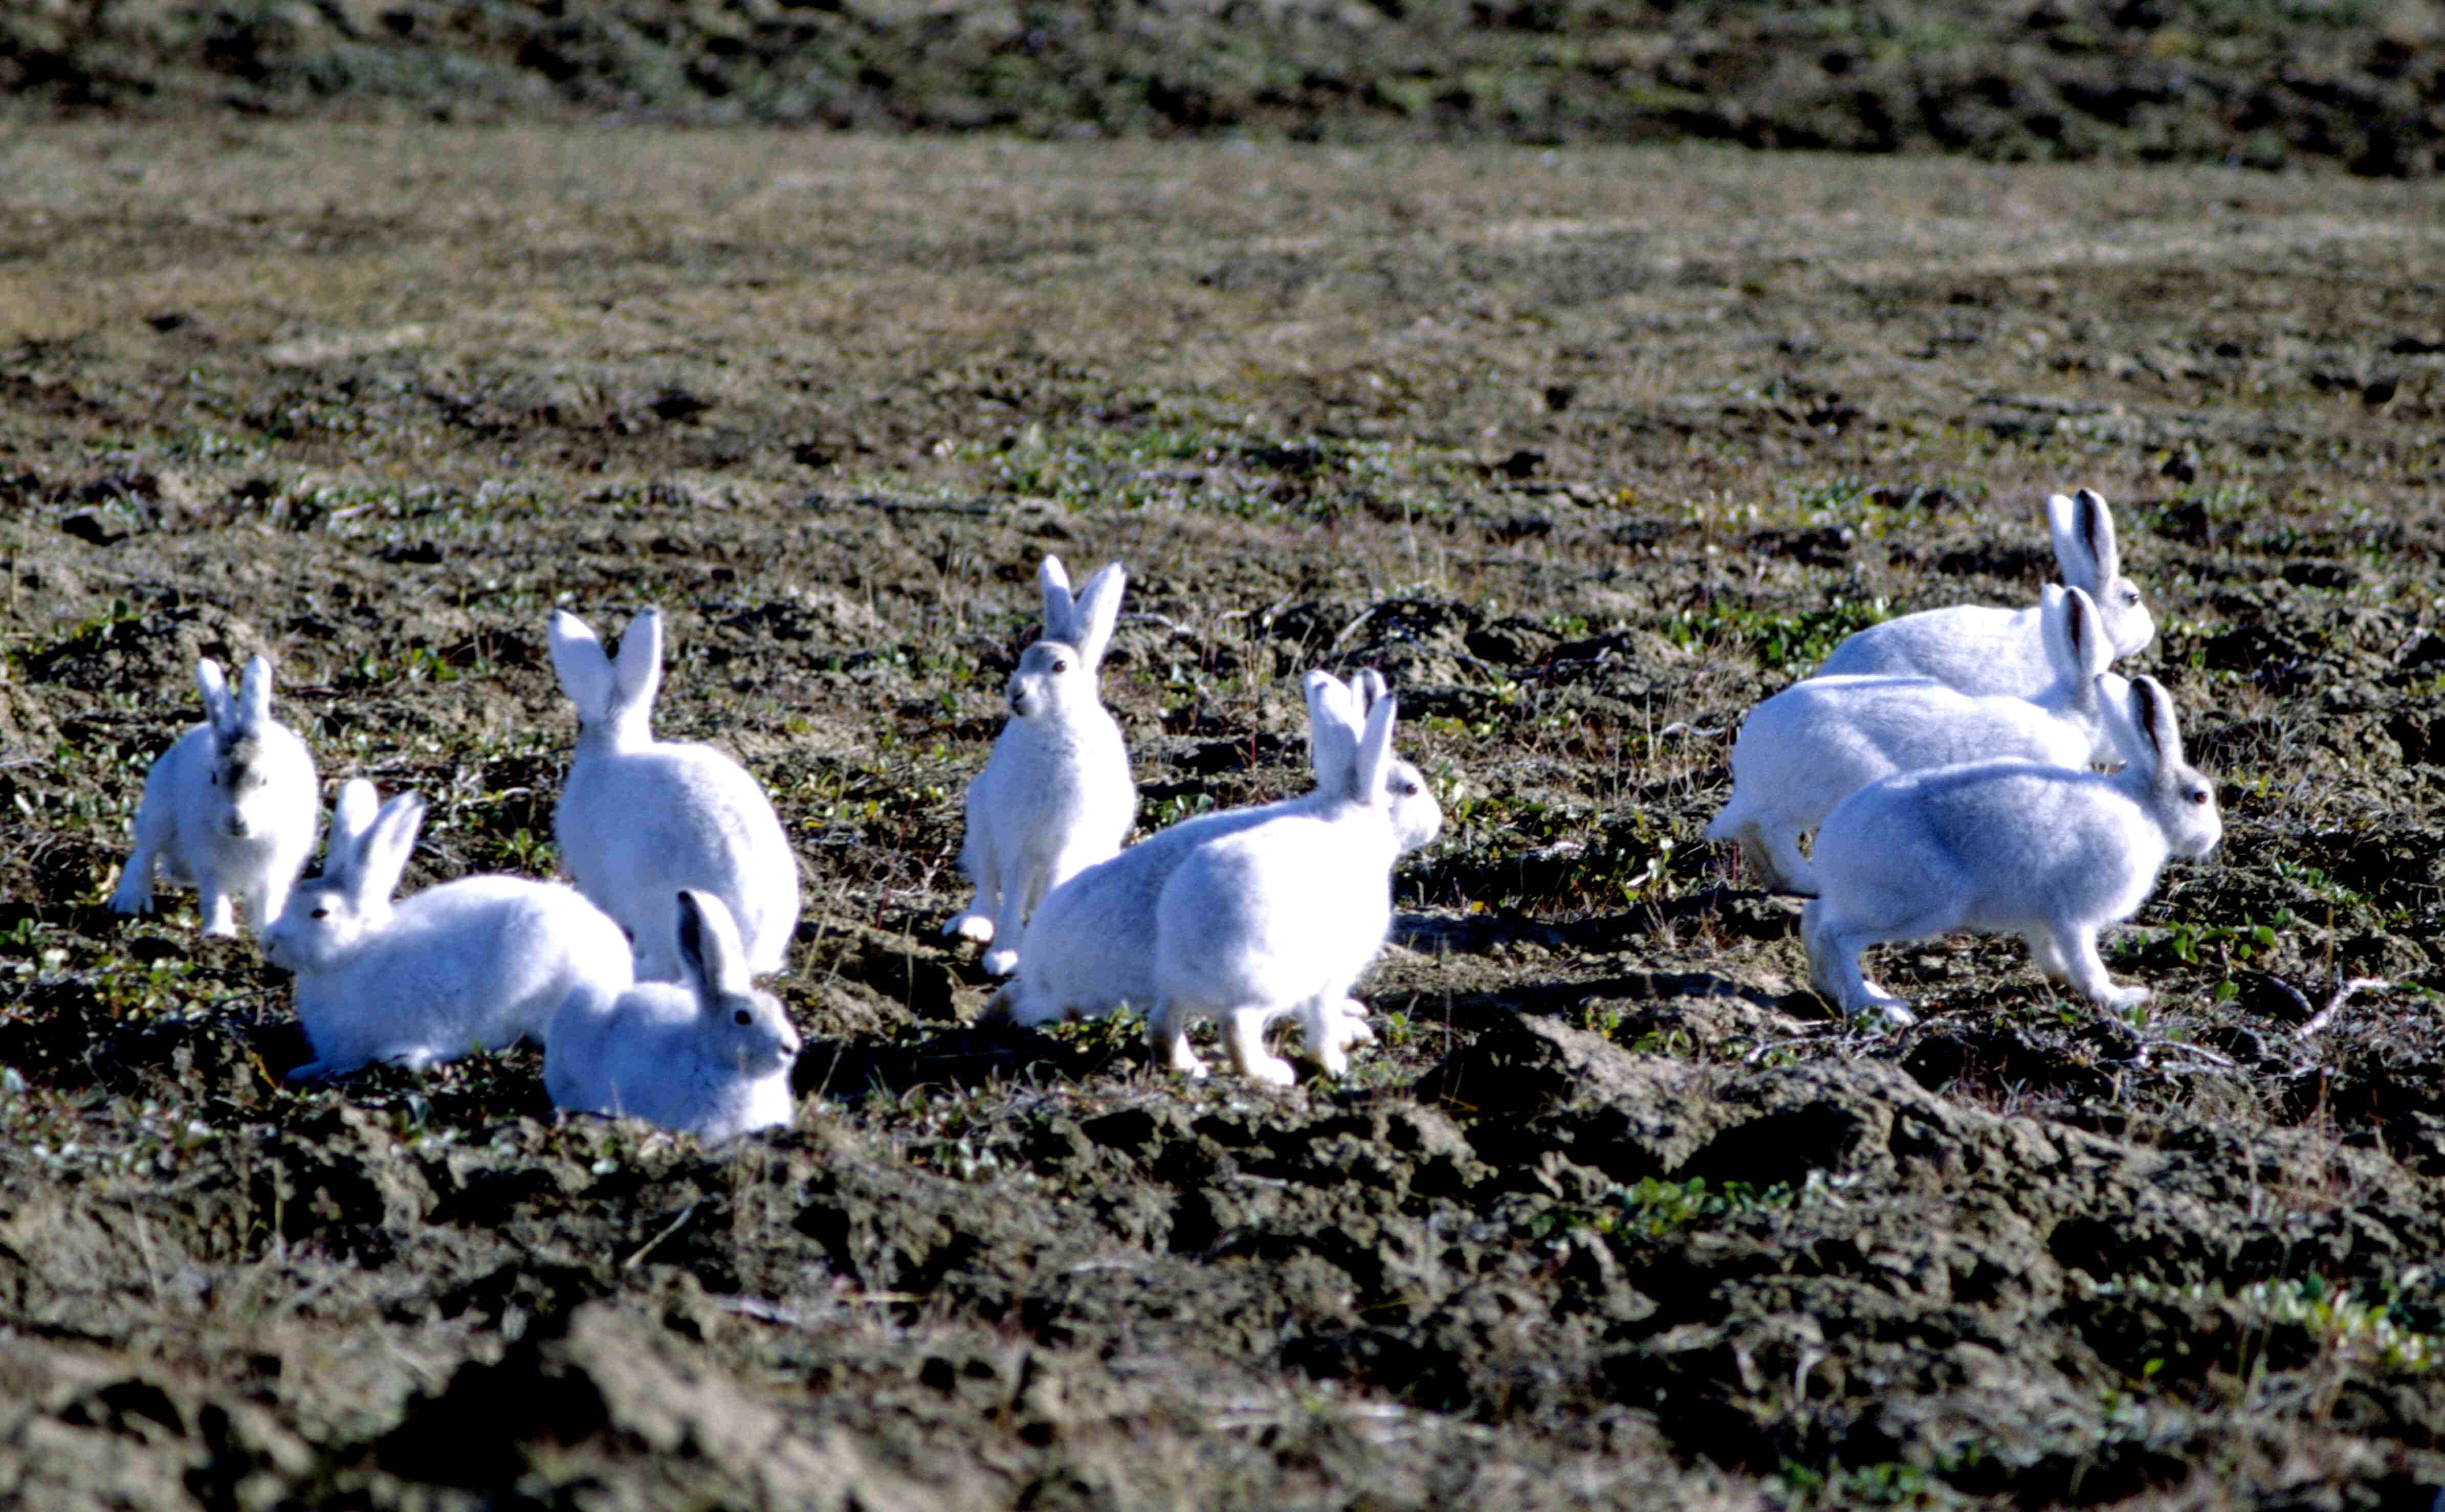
351, 816
710, 952
2152, 717
2092, 651
1375, 752
585, 670
1060, 610
381, 855
1367, 685
218, 711
2114, 701
2076, 643
254, 692
639, 674
2082, 529
1098, 609
1331, 734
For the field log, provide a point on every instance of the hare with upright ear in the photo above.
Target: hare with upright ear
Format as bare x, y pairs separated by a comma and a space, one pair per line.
1091, 943
1983, 650
710, 1055
641, 819
1280, 917
1055, 796
1817, 741
471, 965
230, 807
2051, 854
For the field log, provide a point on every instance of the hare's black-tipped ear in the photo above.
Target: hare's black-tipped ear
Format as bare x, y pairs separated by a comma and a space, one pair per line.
692, 940
2151, 716
1060, 610
710, 951
2096, 534
2083, 527
2084, 634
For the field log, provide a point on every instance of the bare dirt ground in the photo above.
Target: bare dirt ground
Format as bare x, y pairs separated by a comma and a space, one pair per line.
1588, 450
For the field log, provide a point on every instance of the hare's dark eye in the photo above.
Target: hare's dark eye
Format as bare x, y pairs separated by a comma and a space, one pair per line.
1060, 664
742, 1016
2200, 797
322, 913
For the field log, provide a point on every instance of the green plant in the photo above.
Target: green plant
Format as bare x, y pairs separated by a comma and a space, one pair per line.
1777, 640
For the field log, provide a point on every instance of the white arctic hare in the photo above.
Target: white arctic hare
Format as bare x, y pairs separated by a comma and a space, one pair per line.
2050, 854
1283, 915
471, 965
642, 818
230, 807
1816, 742
1980, 649
1055, 796
1091, 946
710, 1055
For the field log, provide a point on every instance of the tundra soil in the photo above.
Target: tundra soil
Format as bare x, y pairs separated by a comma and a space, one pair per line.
1588, 451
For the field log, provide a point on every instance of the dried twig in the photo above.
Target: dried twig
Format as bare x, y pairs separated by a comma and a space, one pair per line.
2345, 991
656, 1242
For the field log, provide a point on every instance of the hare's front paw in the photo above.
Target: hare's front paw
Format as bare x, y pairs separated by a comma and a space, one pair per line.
976, 926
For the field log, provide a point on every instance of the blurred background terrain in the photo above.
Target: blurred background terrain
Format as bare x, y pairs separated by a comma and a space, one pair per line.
2269, 83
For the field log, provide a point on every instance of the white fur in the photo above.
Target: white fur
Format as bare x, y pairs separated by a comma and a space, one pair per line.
1055, 796
230, 807
1279, 916
2051, 854
710, 1055
1816, 742
471, 964
643, 819
1090, 945
1983, 650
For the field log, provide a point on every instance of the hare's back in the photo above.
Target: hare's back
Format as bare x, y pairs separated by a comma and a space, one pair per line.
1977, 649
1265, 915
2003, 830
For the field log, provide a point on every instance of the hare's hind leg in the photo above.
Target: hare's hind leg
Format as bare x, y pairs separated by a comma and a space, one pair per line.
1244, 1039
1169, 1038
1778, 861
1350, 1028
135, 892
1328, 1032
2045, 954
2077, 945
1834, 946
